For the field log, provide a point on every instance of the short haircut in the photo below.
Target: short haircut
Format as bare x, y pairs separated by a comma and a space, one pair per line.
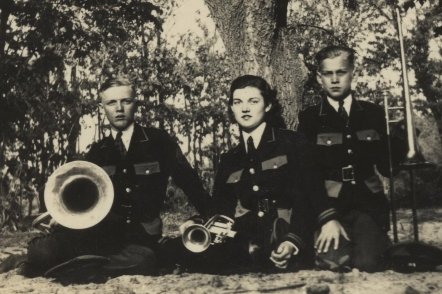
244, 81
116, 82
334, 51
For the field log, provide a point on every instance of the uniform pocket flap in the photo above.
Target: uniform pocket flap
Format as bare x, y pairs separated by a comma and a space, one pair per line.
275, 162
234, 177
147, 168
329, 139
109, 169
333, 188
368, 135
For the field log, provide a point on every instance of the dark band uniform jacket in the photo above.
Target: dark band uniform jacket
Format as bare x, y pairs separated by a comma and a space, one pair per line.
283, 178
130, 232
349, 153
140, 179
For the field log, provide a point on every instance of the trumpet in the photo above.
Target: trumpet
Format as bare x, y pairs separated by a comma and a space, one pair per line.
78, 195
197, 238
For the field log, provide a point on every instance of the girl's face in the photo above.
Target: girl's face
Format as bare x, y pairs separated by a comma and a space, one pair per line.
249, 108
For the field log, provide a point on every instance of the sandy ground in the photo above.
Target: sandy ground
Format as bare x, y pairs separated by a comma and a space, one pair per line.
387, 282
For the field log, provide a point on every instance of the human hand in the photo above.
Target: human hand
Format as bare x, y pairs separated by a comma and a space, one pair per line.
281, 256
330, 231
53, 223
185, 225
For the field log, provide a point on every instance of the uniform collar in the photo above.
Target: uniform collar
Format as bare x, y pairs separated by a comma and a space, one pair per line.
256, 135
326, 108
268, 136
126, 135
138, 135
335, 104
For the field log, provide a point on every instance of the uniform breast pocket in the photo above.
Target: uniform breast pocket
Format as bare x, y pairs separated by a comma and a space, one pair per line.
147, 168
329, 139
369, 135
234, 177
274, 163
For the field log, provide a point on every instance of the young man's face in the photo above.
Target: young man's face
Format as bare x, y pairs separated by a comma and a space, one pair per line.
335, 75
119, 106
249, 108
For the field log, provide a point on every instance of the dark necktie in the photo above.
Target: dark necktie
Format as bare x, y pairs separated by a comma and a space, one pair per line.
120, 145
251, 150
342, 112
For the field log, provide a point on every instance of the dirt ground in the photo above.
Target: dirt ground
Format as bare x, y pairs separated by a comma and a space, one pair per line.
388, 282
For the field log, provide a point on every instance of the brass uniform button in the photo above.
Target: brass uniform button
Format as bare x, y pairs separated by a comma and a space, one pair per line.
255, 188
252, 171
128, 190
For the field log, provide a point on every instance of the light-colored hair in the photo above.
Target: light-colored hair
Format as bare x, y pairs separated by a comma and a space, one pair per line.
334, 51
116, 82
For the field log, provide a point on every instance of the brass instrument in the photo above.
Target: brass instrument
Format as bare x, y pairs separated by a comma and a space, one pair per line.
197, 238
78, 195
414, 158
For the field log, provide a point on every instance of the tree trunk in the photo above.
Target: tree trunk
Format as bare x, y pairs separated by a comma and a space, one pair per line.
258, 42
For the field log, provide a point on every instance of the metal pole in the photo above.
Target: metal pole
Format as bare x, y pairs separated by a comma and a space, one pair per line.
413, 208
390, 172
412, 153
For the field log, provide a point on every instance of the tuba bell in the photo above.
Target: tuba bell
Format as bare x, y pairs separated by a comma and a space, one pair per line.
78, 195
197, 238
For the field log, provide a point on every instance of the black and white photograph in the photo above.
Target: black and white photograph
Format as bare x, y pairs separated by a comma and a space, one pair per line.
221, 146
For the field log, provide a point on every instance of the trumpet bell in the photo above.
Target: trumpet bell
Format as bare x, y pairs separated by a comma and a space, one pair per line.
196, 238
79, 194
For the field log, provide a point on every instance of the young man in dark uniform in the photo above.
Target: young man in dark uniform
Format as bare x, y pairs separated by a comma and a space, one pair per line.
351, 138
139, 161
271, 186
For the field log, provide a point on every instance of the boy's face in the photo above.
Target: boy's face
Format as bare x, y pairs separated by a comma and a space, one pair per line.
249, 108
119, 106
335, 75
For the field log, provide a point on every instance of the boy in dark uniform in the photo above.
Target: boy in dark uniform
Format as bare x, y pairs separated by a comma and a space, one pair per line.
350, 136
139, 161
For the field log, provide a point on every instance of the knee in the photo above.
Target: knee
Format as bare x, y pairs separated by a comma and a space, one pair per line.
336, 260
42, 253
133, 259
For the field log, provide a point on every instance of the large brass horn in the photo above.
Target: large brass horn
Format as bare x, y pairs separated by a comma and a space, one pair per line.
197, 238
79, 194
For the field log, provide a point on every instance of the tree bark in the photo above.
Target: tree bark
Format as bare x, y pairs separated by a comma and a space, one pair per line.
258, 42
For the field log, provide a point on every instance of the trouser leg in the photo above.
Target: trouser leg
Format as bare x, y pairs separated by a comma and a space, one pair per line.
370, 243
47, 251
133, 259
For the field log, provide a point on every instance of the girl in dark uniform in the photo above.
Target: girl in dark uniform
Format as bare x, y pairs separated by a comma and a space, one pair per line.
270, 185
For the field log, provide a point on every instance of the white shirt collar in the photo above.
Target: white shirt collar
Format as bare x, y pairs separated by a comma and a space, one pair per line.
125, 136
347, 103
256, 135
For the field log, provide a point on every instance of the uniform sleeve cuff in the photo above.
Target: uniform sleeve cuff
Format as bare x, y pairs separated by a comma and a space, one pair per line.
197, 219
295, 240
327, 215
295, 248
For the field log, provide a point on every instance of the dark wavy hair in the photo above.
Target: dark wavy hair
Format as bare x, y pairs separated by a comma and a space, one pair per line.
273, 116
